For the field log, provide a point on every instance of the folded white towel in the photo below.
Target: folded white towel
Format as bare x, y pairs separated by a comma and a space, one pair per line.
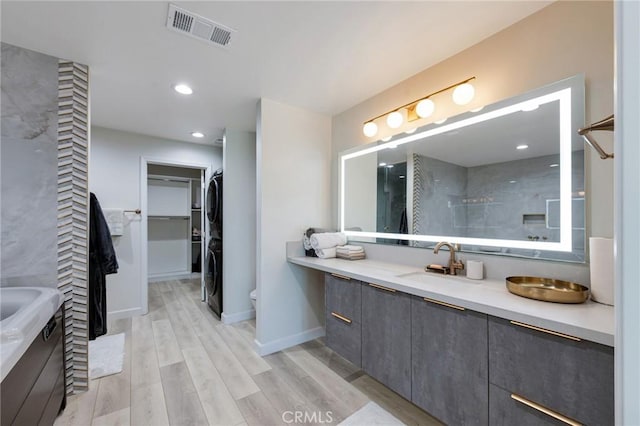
326, 253
328, 240
115, 221
306, 242
350, 249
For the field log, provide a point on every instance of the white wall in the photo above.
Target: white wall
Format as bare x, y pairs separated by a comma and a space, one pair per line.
239, 224
293, 165
114, 176
627, 197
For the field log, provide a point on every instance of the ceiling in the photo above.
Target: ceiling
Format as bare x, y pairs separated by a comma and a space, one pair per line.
321, 56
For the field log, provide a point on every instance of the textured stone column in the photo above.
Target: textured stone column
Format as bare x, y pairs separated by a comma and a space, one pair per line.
73, 217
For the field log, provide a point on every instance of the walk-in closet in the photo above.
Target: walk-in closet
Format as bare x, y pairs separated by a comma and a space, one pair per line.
176, 225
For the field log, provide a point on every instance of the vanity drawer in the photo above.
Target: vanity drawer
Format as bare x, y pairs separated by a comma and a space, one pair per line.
344, 337
504, 410
343, 296
571, 377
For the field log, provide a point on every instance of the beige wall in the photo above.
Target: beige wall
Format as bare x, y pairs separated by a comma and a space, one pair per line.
561, 40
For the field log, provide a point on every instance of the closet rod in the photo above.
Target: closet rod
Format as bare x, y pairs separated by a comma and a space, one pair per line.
167, 179
136, 211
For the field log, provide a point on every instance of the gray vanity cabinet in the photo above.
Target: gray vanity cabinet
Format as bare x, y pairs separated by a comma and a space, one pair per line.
342, 322
573, 378
449, 374
386, 337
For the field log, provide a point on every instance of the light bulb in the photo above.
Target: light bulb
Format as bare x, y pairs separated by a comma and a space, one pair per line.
370, 129
425, 108
441, 121
197, 134
183, 89
395, 119
411, 130
463, 94
521, 147
386, 139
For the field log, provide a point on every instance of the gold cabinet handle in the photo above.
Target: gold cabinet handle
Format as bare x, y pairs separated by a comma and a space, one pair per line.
544, 330
340, 317
342, 277
545, 410
382, 287
448, 305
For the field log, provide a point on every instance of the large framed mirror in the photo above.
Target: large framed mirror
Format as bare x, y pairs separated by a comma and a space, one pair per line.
507, 179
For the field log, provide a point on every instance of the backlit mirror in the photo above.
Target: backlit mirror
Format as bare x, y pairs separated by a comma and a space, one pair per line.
508, 179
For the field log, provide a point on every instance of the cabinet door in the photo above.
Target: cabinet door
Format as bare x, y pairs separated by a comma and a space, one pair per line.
342, 296
449, 355
386, 337
506, 411
572, 378
343, 336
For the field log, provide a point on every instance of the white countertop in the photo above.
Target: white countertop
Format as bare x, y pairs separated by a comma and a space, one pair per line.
590, 321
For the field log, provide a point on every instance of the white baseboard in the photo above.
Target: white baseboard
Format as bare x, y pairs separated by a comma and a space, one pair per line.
238, 316
124, 313
277, 345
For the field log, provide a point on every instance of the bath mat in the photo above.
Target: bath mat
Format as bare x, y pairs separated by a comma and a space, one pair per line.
106, 355
371, 414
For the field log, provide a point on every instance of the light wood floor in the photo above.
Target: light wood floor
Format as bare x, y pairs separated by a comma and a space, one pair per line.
184, 367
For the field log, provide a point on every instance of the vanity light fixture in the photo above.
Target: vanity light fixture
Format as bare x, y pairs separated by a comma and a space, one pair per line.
183, 89
197, 134
463, 94
521, 147
423, 107
395, 119
370, 129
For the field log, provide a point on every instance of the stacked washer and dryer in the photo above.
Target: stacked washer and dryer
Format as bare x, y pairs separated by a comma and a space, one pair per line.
213, 273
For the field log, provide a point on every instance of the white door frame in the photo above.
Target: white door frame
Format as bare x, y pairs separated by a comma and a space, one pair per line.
144, 261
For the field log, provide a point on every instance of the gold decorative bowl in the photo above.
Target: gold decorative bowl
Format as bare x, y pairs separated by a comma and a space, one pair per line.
548, 289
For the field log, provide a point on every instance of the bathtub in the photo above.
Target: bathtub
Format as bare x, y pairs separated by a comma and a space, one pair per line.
24, 311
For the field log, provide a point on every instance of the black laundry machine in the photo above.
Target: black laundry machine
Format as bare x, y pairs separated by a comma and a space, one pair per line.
213, 275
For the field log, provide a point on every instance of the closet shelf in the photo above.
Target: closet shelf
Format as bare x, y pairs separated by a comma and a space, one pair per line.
168, 217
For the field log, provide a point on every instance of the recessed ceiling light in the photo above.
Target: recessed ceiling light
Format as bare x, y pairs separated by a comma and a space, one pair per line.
401, 176
183, 89
382, 164
512, 181
522, 146
554, 165
197, 134
389, 166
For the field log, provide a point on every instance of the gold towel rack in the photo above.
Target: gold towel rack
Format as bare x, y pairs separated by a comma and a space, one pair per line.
604, 124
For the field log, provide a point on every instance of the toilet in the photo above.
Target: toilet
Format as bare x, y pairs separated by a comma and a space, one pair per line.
252, 296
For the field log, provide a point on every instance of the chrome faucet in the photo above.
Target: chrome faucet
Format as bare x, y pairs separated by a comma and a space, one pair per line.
454, 264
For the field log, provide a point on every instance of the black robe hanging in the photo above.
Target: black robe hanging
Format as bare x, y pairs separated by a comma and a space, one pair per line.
102, 261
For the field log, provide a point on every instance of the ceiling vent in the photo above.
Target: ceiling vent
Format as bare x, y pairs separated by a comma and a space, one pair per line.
196, 26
